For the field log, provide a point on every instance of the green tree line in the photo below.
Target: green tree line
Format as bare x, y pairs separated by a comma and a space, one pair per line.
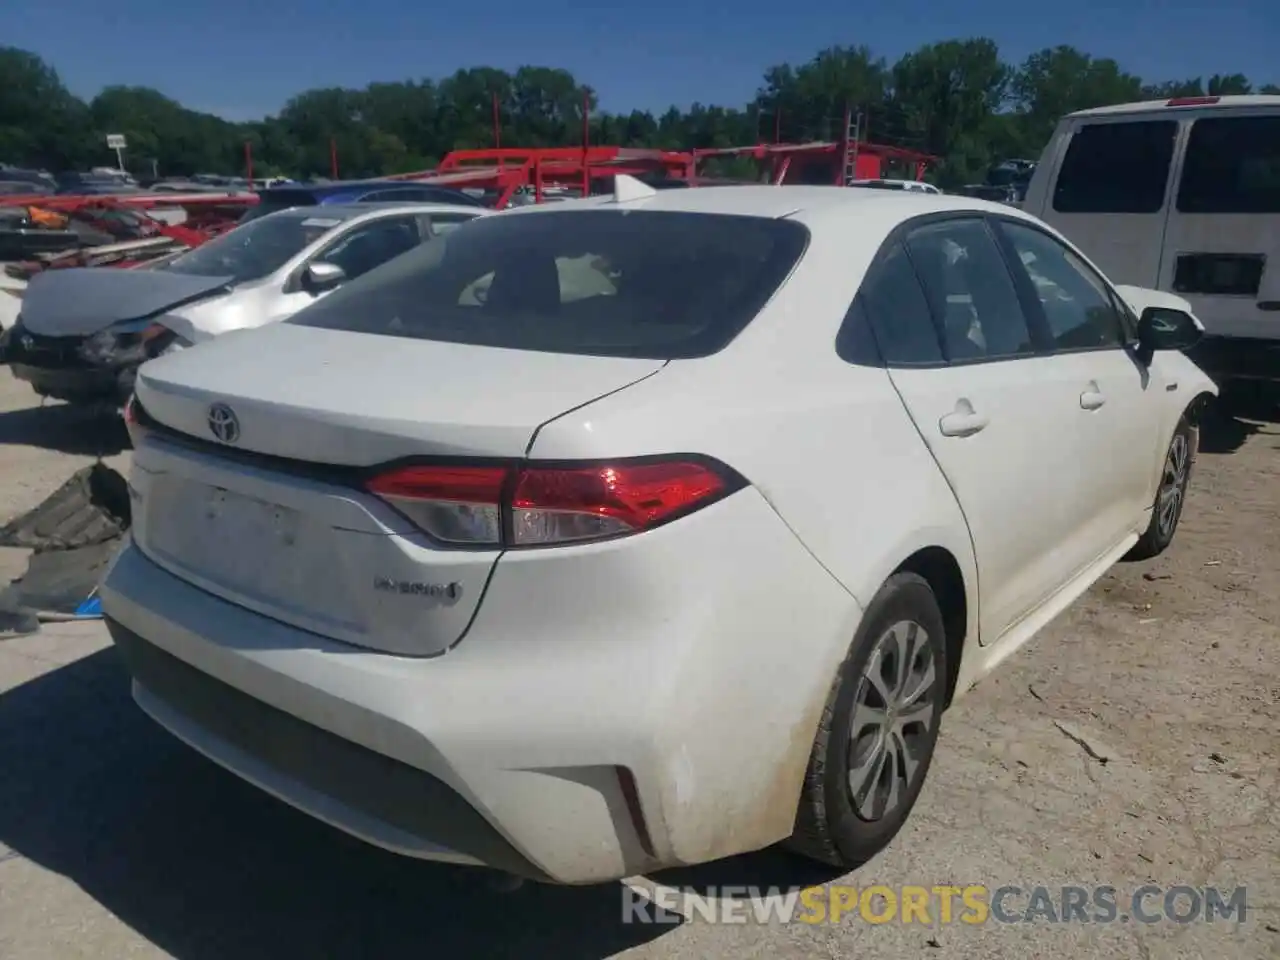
956, 99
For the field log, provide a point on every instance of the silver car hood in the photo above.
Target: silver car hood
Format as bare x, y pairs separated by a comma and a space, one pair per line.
79, 301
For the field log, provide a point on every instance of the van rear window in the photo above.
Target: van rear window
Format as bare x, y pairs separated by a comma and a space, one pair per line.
1116, 168
1232, 166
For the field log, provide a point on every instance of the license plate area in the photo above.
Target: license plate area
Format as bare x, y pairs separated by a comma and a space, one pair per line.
249, 550
1219, 274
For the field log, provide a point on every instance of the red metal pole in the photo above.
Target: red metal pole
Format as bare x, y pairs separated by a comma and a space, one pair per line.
844, 147
248, 163
586, 141
333, 157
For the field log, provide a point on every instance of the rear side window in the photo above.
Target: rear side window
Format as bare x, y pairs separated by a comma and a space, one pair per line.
1232, 166
624, 283
970, 292
895, 303
1116, 168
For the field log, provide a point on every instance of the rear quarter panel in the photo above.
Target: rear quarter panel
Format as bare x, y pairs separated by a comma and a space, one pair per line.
828, 444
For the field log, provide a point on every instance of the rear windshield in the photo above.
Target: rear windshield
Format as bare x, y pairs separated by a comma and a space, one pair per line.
635, 283
269, 201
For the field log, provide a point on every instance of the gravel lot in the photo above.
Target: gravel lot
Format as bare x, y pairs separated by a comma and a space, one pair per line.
115, 841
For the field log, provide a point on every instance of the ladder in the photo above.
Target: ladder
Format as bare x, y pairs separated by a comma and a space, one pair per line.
852, 137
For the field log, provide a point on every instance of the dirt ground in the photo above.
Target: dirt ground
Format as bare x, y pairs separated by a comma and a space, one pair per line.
1136, 741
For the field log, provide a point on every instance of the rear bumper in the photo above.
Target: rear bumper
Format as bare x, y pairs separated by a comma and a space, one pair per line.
573, 736
1237, 358
386, 801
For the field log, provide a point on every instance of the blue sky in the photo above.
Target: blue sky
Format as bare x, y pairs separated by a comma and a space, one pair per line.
244, 59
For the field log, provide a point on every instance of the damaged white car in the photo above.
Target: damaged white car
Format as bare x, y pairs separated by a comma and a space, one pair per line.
83, 332
675, 543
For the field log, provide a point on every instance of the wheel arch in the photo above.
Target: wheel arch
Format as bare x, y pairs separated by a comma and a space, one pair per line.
1198, 406
941, 570
1194, 415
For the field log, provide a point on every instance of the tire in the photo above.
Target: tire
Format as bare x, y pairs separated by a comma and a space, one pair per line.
1171, 494
832, 825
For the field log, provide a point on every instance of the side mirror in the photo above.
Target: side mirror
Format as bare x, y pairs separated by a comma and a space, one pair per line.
320, 276
1165, 328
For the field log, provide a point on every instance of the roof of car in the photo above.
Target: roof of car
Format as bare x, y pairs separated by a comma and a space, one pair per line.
1178, 103
354, 186
880, 208
343, 212
348, 211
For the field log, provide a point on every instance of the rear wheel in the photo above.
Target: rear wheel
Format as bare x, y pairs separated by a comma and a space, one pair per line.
878, 731
1170, 496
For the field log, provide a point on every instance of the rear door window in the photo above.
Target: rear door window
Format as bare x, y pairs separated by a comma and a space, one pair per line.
1116, 168
1232, 165
895, 304
629, 283
970, 292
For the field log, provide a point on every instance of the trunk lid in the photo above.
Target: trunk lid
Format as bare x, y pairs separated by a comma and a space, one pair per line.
299, 541
335, 397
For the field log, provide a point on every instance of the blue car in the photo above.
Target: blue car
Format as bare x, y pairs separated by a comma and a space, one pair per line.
355, 191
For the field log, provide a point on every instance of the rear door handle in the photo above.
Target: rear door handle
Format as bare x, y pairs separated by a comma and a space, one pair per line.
1092, 398
963, 422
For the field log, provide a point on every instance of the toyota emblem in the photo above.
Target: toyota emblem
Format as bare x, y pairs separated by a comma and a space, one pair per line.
223, 423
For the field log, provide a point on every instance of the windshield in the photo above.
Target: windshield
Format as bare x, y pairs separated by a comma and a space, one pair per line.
622, 283
255, 249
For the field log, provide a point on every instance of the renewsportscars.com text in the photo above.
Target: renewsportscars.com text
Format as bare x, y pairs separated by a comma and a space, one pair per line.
940, 904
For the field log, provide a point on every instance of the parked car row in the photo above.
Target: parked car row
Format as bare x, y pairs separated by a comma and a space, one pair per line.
587, 538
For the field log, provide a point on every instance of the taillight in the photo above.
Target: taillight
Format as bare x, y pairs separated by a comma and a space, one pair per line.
1192, 101
531, 505
563, 504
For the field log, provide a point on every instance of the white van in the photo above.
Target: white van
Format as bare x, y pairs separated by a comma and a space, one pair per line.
1181, 195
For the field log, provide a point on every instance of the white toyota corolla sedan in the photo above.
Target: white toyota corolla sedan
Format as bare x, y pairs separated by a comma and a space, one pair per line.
647, 529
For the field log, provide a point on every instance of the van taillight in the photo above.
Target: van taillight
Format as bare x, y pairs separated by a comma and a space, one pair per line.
1192, 101
531, 505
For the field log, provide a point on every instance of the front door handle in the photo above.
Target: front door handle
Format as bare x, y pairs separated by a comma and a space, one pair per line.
964, 421
1092, 398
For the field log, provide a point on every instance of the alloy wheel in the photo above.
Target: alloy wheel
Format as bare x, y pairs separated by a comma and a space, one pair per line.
1173, 485
894, 709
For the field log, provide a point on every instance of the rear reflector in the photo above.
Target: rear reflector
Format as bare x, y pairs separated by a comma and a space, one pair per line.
532, 505
1192, 101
